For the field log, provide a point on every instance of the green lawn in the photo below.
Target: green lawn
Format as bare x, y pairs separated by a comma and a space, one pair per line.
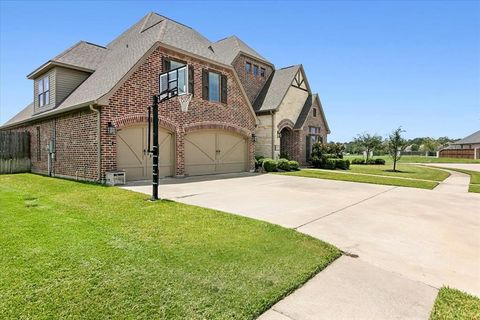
419, 159
77, 250
455, 304
344, 176
405, 171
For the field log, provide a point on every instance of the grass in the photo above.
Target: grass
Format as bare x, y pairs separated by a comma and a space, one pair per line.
76, 250
455, 304
334, 175
419, 159
404, 171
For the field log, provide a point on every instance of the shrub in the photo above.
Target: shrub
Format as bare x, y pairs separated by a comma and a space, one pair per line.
379, 161
284, 155
329, 164
293, 165
342, 164
370, 161
270, 165
282, 164
260, 161
358, 161
316, 162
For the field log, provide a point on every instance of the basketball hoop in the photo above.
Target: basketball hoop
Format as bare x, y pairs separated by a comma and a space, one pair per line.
184, 100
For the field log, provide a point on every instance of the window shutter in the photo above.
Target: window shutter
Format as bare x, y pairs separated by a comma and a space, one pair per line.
190, 80
166, 65
223, 86
205, 84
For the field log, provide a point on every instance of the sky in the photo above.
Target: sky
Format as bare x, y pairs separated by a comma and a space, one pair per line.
376, 65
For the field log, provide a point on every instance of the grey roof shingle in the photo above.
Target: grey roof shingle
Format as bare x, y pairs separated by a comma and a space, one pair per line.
23, 115
275, 89
471, 139
83, 54
230, 47
309, 102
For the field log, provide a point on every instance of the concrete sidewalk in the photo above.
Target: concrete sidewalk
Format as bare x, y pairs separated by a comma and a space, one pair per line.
457, 182
409, 241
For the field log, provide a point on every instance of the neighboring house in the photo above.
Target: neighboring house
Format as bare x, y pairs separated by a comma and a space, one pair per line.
89, 115
468, 147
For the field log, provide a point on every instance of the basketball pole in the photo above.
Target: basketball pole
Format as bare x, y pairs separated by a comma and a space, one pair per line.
155, 149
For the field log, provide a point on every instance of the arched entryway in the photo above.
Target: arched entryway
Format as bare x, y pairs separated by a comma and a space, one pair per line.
286, 143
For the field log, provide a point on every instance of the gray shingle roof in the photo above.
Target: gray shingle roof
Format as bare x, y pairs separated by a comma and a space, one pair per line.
471, 139
83, 54
23, 115
230, 47
275, 89
309, 102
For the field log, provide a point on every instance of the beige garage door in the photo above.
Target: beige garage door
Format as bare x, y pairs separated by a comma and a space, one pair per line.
210, 152
131, 155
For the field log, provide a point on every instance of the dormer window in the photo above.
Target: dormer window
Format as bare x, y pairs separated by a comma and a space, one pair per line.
43, 91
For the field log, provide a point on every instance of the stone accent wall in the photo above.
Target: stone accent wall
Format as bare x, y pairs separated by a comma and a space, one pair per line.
251, 83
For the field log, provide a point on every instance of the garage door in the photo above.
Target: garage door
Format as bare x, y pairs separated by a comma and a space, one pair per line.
131, 155
210, 152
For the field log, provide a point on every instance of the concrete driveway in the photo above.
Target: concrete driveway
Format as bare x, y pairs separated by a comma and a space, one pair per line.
409, 241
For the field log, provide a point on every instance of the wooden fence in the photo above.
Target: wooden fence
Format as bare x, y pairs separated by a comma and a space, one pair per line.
457, 153
14, 152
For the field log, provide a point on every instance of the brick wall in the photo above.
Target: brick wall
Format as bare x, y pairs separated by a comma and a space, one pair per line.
251, 83
300, 140
75, 144
135, 94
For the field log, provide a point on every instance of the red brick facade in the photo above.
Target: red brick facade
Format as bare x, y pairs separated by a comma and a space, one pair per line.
75, 140
76, 133
252, 84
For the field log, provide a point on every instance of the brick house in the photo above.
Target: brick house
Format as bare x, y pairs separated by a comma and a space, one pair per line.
88, 115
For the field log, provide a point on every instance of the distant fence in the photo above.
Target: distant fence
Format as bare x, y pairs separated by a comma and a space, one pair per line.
420, 153
457, 153
14, 152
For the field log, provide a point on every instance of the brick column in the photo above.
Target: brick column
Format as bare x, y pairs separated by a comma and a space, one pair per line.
180, 153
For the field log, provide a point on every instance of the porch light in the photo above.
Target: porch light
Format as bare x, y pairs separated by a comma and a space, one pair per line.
111, 129
279, 134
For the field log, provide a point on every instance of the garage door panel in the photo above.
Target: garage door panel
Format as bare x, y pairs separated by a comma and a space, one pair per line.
210, 152
131, 143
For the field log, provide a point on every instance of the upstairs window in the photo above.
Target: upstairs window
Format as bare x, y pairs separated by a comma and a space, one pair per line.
314, 112
262, 72
248, 67
43, 91
255, 70
214, 86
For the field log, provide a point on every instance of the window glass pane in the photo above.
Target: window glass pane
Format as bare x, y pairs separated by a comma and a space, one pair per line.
175, 64
181, 81
214, 86
46, 83
47, 97
262, 72
40, 100
255, 70
40, 86
248, 67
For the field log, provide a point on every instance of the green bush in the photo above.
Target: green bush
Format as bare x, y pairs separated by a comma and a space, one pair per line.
282, 164
379, 161
294, 165
358, 161
259, 161
285, 155
370, 161
270, 165
342, 164
329, 164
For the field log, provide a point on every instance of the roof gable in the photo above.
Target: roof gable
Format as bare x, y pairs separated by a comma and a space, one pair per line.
229, 48
310, 102
471, 139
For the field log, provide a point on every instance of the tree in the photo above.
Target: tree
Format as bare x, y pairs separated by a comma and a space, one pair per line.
368, 142
430, 145
396, 144
415, 147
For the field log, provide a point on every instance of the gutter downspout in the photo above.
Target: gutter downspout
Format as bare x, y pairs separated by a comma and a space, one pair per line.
99, 157
273, 133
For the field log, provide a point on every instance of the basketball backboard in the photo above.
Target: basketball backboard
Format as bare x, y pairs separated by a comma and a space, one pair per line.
173, 83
